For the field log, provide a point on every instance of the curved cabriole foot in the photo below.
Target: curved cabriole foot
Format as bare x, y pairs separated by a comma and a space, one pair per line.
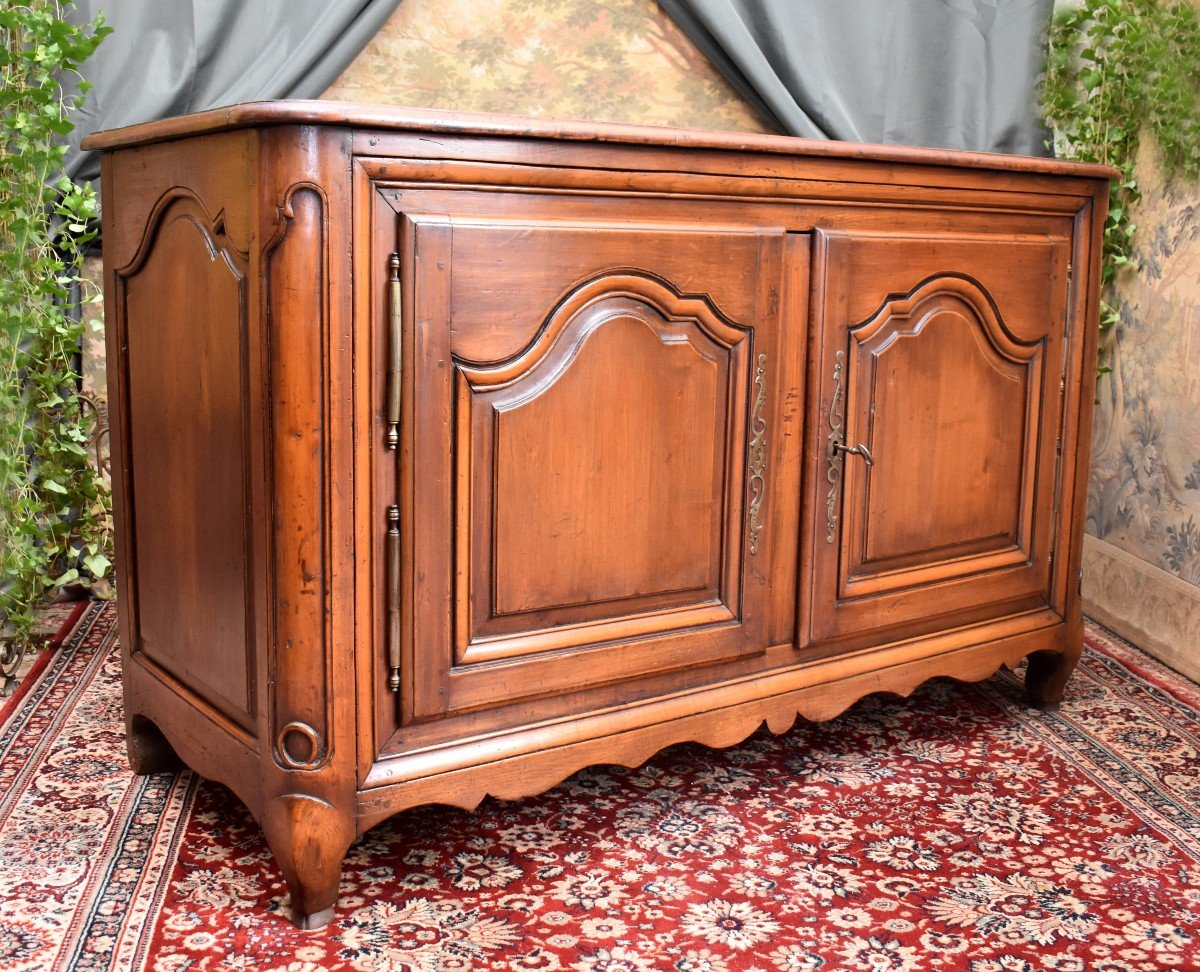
309, 839
1046, 677
149, 751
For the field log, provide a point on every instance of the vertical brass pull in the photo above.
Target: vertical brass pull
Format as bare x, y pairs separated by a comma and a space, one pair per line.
757, 467
392, 548
395, 338
392, 596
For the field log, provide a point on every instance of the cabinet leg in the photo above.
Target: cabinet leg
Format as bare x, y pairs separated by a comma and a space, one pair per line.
1046, 677
309, 839
149, 751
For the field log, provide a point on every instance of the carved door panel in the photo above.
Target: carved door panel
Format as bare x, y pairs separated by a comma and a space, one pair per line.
596, 486
938, 434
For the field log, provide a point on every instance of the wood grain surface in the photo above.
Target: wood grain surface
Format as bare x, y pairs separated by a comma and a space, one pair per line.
455, 453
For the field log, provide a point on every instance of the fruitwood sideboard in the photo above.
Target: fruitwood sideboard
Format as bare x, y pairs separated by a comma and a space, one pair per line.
454, 453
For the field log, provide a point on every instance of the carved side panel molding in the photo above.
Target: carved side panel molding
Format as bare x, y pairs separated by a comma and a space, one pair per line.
296, 261
178, 203
182, 326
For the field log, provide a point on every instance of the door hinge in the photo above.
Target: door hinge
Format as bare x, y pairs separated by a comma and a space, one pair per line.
1067, 310
395, 361
1058, 478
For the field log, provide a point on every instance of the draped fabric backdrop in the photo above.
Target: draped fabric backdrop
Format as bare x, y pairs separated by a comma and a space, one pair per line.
956, 74
949, 73
170, 57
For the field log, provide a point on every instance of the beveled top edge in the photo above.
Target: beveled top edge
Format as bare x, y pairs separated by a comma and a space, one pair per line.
396, 118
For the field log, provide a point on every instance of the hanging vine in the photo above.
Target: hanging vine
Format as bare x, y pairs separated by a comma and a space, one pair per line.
1119, 71
54, 512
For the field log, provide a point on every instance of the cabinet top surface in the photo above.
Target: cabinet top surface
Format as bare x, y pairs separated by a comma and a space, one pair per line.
400, 119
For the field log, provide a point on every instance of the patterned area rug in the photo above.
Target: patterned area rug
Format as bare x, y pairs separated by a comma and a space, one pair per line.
53, 624
954, 830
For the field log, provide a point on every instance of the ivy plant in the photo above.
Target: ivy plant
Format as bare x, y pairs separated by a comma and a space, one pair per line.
1119, 71
54, 508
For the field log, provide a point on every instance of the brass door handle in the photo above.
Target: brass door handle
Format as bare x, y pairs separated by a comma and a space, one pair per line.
858, 450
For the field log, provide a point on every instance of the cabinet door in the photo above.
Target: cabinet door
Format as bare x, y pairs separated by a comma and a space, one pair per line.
597, 474
936, 448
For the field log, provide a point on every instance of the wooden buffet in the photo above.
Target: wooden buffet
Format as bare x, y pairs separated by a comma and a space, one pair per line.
456, 452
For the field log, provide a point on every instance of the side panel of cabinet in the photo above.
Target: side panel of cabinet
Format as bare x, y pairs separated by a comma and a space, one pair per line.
600, 485
938, 384
182, 361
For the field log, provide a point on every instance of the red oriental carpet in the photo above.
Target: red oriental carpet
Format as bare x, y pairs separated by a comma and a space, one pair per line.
954, 830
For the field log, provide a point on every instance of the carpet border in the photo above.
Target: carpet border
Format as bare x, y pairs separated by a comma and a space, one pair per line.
53, 644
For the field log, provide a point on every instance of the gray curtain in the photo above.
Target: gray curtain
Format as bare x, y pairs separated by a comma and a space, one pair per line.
169, 57
956, 74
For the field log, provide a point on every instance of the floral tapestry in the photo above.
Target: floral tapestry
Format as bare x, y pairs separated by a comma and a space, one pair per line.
1144, 495
599, 60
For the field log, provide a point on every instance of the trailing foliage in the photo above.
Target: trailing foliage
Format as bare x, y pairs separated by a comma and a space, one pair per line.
54, 519
1118, 71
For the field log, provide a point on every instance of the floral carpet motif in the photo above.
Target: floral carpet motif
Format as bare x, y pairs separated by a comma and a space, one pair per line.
957, 829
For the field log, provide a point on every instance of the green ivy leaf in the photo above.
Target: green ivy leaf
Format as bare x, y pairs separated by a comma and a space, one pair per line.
1117, 70
97, 564
53, 504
